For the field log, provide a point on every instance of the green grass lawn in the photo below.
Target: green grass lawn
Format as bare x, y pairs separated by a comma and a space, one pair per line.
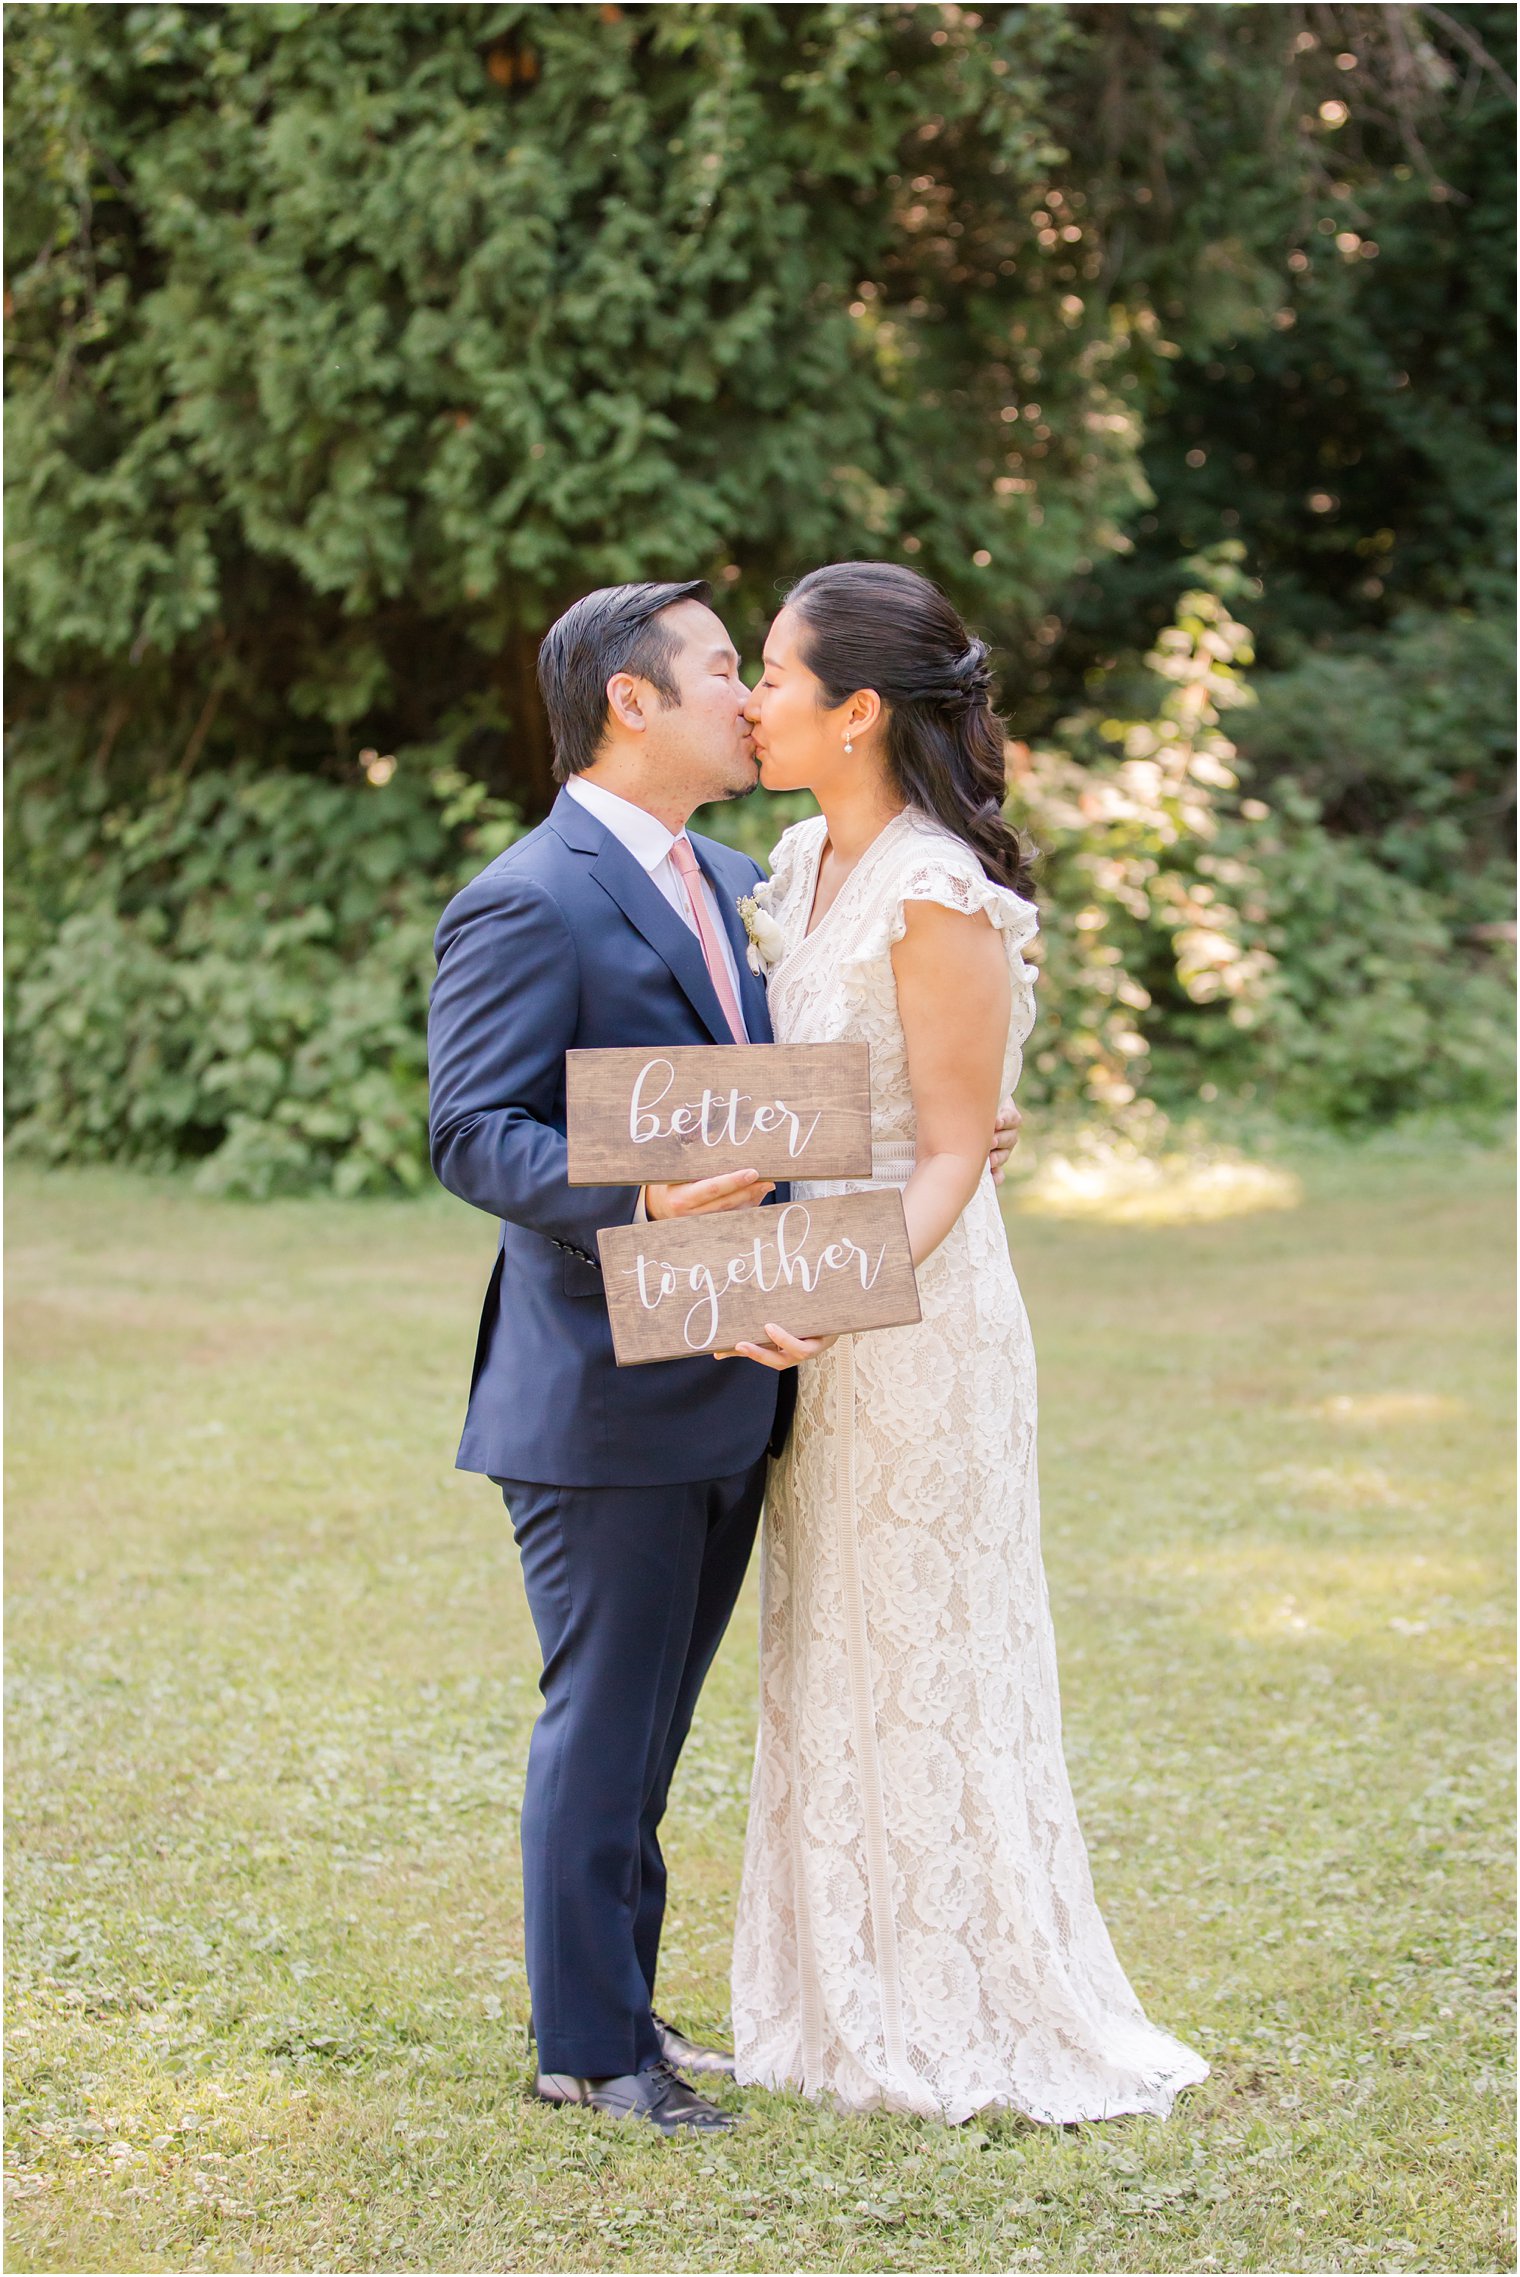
272, 1680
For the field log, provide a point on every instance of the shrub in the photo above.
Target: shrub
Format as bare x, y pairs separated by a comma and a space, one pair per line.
234, 969
1387, 885
1199, 942
1384, 1000
1406, 740
1141, 911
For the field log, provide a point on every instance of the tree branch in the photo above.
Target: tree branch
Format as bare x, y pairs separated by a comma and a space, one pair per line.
1473, 46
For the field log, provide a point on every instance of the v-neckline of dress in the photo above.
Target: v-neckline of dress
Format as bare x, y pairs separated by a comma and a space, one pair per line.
812, 932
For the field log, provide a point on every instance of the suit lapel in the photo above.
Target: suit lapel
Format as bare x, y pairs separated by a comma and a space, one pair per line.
646, 909
757, 1020
650, 914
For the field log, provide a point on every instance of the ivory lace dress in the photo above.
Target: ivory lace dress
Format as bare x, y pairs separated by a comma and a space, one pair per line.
917, 1927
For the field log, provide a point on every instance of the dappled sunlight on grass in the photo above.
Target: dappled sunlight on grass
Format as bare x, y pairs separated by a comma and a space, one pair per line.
1117, 1184
1369, 1596
1344, 1486
1373, 1409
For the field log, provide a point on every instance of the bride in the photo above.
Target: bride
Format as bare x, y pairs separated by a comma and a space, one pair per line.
917, 1927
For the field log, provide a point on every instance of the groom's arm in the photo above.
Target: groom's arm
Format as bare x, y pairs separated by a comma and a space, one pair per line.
504, 1011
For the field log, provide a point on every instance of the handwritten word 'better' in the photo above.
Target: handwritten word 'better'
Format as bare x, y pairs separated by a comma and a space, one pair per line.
715, 1118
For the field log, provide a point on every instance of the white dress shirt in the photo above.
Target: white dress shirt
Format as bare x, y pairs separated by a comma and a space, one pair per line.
649, 842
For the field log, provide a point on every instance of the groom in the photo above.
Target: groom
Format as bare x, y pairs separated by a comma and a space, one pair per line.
634, 1494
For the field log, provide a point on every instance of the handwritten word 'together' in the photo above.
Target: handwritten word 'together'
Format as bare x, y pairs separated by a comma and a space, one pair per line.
772, 1260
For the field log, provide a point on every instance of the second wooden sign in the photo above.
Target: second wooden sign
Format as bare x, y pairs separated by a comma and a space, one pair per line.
702, 1284
693, 1110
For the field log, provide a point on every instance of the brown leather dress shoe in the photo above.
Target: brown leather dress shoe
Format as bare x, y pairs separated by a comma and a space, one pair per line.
658, 2095
690, 2055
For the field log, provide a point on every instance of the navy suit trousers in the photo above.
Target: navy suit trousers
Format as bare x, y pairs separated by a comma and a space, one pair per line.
631, 1589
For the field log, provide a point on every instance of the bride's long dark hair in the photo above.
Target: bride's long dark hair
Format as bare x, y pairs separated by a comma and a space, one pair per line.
873, 624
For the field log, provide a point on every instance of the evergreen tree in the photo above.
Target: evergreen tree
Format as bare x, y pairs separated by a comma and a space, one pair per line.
1321, 205
350, 343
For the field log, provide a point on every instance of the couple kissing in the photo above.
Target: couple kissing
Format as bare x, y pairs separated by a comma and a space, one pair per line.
917, 1930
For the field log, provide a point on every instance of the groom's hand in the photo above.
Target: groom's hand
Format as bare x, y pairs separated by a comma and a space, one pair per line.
1005, 1138
734, 1190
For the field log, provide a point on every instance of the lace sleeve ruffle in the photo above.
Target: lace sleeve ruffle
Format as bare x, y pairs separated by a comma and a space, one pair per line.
934, 879
943, 879
953, 882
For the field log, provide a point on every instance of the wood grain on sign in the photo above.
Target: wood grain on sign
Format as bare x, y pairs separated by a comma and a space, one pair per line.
703, 1284
695, 1110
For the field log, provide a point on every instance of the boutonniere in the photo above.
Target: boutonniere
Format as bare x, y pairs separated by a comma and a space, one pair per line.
766, 939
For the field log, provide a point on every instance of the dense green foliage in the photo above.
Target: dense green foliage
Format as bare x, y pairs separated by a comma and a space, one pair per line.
1142, 915
351, 343
347, 344
1210, 934
1342, 396
236, 972
1406, 739
1380, 1001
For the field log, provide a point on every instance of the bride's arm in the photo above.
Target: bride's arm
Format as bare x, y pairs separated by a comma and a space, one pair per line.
954, 999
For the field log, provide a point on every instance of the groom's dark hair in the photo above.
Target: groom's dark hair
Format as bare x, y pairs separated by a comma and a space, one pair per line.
615, 629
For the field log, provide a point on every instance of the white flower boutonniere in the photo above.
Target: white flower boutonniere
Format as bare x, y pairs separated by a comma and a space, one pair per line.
766, 939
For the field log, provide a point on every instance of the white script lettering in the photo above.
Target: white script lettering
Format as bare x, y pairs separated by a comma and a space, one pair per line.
772, 1259
716, 1118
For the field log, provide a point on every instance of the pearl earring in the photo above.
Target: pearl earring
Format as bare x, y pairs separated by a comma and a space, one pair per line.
849, 746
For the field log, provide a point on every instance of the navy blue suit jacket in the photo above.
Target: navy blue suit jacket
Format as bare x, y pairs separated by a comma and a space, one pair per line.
565, 941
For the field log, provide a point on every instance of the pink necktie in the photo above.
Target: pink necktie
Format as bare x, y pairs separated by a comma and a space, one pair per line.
690, 873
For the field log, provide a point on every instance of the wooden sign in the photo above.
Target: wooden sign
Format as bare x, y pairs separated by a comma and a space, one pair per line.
694, 1110
681, 1286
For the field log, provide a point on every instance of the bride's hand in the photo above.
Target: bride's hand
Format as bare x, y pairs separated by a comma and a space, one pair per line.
1005, 1138
782, 1352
